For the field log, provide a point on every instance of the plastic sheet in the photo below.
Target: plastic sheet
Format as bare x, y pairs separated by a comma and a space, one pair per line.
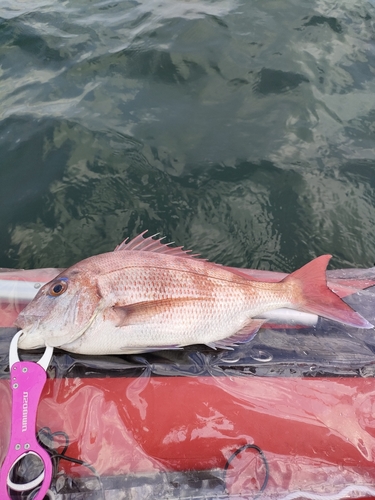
169, 424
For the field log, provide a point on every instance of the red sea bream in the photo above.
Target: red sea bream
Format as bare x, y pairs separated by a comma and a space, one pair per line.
147, 296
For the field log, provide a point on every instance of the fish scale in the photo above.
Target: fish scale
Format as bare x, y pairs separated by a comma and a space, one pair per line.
147, 296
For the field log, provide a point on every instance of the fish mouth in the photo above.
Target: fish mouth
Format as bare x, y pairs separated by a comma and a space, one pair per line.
28, 341
24, 321
31, 337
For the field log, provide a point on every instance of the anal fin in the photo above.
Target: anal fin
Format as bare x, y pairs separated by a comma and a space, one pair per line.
244, 335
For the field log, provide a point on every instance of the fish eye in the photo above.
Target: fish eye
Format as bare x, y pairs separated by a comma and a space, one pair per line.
58, 288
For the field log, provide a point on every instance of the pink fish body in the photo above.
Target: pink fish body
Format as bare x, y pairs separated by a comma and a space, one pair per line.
148, 296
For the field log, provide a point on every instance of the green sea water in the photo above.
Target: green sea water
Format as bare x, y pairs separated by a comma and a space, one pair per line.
241, 129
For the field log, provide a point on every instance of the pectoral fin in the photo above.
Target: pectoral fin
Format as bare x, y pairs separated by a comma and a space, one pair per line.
144, 312
244, 335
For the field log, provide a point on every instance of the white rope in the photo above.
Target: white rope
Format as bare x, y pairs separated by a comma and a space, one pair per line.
346, 492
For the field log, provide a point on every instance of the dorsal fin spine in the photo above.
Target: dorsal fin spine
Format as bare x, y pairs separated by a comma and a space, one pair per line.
150, 244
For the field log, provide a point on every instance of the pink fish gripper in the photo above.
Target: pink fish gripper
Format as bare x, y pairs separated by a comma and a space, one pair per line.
27, 380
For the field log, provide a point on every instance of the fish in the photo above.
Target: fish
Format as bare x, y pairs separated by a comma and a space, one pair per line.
147, 295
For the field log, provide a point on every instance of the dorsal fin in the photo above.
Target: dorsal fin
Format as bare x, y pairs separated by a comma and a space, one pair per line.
149, 244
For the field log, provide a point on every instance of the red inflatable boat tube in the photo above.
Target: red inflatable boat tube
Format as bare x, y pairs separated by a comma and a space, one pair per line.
317, 434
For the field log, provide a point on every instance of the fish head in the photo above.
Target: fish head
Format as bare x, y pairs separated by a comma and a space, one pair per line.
61, 311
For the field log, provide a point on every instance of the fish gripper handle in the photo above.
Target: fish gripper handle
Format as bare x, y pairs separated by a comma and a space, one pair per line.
27, 380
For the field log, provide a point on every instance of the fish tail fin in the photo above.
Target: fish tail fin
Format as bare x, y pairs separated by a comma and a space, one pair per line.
314, 296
